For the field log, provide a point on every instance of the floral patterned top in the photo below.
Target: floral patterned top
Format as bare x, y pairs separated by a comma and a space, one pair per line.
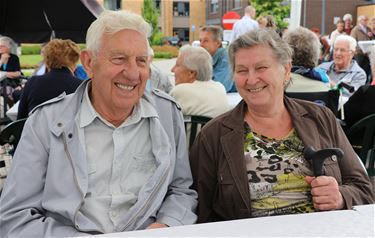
276, 171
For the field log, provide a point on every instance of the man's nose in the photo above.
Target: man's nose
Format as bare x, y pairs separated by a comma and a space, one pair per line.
131, 71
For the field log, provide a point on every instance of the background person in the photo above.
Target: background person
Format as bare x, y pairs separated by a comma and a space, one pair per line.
348, 19
305, 77
245, 24
195, 90
109, 157
344, 68
210, 38
249, 161
60, 57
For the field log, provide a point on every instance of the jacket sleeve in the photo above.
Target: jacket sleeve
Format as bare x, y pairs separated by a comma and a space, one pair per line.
21, 204
204, 176
180, 202
355, 186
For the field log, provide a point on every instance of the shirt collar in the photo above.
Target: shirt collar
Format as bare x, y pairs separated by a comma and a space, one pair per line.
143, 109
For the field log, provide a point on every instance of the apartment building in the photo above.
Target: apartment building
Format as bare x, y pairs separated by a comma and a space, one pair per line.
177, 17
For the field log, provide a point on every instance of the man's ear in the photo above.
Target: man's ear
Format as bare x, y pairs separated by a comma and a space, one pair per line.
87, 62
192, 75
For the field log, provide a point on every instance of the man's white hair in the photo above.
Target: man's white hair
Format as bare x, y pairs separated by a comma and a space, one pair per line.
352, 42
111, 22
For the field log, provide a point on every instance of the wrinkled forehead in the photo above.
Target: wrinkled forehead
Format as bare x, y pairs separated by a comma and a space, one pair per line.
128, 40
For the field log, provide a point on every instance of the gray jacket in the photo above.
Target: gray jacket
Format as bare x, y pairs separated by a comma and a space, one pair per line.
48, 179
354, 76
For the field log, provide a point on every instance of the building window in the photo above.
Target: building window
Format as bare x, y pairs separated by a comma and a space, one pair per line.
157, 4
112, 4
237, 3
214, 6
181, 9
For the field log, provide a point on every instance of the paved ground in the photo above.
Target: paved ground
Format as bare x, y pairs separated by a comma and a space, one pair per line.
165, 65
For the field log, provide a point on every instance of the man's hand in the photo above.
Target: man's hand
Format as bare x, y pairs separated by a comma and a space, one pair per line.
156, 226
325, 193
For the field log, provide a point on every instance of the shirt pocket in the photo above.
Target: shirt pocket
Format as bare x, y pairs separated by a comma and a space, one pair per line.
141, 168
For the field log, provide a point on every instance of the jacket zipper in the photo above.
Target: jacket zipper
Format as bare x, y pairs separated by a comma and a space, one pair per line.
131, 220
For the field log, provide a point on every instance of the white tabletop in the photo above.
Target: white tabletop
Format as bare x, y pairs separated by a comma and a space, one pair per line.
366, 45
233, 99
358, 222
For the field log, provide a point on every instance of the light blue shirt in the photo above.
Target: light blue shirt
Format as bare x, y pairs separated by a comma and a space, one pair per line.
120, 161
221, 70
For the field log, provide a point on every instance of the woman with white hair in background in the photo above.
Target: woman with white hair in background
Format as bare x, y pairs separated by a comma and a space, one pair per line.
348, 19
195, 90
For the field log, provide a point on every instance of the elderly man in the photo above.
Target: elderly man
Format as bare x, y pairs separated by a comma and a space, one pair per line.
195, 91
107, 158
343, 68
210, 38
361, 32
247, 23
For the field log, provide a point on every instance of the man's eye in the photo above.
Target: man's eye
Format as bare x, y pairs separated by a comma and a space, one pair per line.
117, 60
261, 68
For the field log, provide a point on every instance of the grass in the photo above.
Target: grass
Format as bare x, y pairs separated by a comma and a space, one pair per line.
30, 61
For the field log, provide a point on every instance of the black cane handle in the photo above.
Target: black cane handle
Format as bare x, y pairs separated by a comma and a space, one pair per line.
317, 157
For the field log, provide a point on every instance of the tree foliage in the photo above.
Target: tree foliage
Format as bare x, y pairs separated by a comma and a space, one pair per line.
279, 9
151, 15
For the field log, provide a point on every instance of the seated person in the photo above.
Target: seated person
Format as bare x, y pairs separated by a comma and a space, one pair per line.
158, 79
249, 162
108, 158
343, 68
306, 50
61, 57
195, 90
10, 69
210, 38
361, 103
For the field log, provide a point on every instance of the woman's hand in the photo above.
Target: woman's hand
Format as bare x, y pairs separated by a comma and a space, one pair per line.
325, 193
4, 58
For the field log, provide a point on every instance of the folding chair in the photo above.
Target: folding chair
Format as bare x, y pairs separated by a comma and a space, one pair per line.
193, 124
362, 138
329, 98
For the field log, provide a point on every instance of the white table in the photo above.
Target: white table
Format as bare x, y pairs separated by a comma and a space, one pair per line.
233, 99
358, 222
366, 45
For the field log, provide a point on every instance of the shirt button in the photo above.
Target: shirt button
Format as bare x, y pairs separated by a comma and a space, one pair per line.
114, 213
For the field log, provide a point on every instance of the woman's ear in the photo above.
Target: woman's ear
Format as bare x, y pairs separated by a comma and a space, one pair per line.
87, 62
192, 75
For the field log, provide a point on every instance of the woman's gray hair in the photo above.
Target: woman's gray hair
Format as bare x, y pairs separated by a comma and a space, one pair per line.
305, 45
197, 59
347, 17
111, 22
262, 36
352, 42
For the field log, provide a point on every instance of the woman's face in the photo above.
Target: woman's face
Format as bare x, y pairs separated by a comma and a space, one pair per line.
259, 76
3, 48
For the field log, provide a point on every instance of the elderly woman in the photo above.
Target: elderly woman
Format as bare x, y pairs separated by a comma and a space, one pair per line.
306, 50
61, 57
195, 90
9, 63
249, 162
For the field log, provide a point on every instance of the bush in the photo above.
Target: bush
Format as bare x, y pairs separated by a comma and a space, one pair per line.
157, 39
30, 49
165, 50
163, 55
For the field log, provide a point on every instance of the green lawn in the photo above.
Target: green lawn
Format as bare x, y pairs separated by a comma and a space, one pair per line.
30, 61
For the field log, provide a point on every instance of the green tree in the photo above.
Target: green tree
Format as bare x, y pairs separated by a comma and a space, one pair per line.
279, 9
151, 15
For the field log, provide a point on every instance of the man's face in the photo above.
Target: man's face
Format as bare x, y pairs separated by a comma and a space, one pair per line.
364, 21
207, 42
342, 55
119, 73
